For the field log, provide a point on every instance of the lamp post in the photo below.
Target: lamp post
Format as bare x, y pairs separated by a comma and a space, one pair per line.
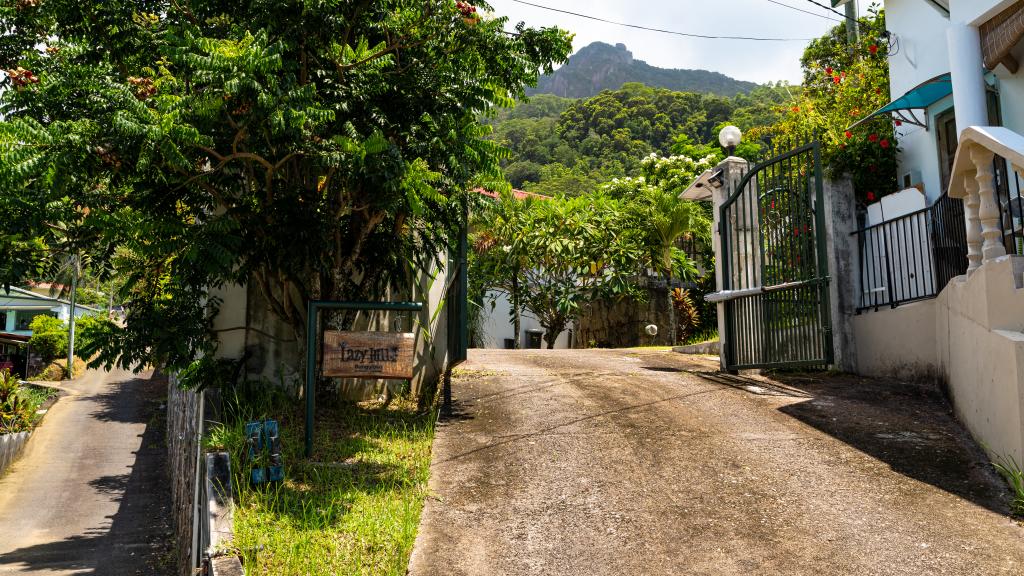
729, 138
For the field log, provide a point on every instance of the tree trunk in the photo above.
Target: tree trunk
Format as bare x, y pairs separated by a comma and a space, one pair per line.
671, 312
551, 333
517, 320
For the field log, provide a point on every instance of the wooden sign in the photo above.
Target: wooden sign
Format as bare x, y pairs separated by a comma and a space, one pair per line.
368, 354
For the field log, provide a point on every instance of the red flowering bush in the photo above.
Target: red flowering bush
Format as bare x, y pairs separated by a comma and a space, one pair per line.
840, 88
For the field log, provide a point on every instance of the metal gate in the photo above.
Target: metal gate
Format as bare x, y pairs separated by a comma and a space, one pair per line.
775, 266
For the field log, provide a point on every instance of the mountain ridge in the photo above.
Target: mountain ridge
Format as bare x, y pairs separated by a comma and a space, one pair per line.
600, 66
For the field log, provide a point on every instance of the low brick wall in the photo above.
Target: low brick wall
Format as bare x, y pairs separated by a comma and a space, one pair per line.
11, 446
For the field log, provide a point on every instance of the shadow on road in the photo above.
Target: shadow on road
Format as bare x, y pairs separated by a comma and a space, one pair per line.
136, 539
909, 426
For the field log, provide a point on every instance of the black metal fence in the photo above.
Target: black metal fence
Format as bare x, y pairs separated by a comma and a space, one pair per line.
1011, 207
912, 257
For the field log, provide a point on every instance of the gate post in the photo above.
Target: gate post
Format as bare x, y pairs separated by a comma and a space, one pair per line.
733, 168
844, 267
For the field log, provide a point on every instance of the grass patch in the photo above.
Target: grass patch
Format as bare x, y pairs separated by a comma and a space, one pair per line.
650, 348
701, 336
36, 396
354, 509
1011, 471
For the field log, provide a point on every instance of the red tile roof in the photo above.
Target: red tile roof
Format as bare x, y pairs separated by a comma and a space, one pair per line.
518, 194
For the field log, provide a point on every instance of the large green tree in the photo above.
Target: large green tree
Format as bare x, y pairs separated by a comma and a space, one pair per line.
319, 149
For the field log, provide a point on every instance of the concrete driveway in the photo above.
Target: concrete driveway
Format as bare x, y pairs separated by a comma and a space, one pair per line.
89, 495
618, 462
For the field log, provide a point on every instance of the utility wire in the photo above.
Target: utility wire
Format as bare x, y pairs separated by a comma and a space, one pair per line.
687, 34
804, 11
831, 9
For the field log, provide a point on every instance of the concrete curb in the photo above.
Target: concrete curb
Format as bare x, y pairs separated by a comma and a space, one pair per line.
220, 528
711, 347
11, 446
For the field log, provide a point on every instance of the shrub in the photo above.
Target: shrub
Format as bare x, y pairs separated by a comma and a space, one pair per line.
87, 328
16, 415
44, 324
49, 345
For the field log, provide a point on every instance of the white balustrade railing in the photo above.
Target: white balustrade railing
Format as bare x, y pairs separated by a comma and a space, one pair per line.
973, 180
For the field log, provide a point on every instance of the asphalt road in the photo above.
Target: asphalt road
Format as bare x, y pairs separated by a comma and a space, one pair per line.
612, 462
89, 496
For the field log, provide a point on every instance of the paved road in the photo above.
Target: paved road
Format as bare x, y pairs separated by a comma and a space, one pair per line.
89, 496
605, 462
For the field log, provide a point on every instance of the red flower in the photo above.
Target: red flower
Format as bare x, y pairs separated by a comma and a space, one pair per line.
878, 90
848, 134
828, 70
873, 138
843, 146
898, 123
796, 108
836, 79
871, 196
773, 204
884, 143
796, 231
873, 49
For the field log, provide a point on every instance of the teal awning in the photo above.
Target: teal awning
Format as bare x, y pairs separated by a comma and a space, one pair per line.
919, 98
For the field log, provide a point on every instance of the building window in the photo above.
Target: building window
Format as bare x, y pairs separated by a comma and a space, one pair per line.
3, 321
23, 321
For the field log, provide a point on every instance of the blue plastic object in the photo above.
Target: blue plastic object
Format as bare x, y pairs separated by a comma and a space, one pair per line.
254, 441
275, 471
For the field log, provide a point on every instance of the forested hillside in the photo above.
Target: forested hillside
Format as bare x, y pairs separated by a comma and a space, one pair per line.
599, 66
566, 146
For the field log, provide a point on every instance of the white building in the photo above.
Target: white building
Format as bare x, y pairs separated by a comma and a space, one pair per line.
19, 307
953, 64
498, 331
959, 94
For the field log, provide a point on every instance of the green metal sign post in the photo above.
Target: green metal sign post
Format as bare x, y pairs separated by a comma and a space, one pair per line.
313, 308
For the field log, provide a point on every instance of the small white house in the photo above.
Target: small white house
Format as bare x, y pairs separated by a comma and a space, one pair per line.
19, 307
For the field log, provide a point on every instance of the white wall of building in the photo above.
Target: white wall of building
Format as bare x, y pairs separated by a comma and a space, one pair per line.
971, 338
922, 54
923, 34
497, 324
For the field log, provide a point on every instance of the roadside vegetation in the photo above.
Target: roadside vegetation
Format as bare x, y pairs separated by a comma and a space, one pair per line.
19, 403
353, 509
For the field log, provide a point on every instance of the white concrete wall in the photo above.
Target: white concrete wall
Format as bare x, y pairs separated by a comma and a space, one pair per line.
972, 338
923, 48
923, 54
497, 324
976, 12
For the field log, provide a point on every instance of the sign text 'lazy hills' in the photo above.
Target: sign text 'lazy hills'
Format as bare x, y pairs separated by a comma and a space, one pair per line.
368, 354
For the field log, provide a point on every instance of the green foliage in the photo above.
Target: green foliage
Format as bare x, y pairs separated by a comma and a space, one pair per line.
353, 509
50, 345
570, 147
44, 323
687, 315
551, 256
314, 149
49, 337
89, 332
16, 413
1011, 471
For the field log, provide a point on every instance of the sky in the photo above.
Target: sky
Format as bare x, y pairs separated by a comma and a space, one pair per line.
742, 59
